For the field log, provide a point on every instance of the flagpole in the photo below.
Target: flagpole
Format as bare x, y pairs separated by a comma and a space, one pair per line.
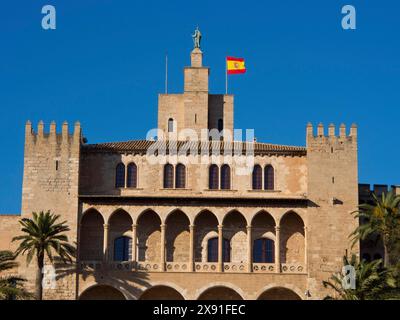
226, 77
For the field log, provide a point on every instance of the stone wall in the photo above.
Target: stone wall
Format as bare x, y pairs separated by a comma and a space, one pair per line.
99, 169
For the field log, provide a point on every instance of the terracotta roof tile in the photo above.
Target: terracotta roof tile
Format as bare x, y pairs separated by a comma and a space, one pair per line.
141, 147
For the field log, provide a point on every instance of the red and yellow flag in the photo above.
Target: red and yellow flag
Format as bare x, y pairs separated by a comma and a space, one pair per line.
235, 65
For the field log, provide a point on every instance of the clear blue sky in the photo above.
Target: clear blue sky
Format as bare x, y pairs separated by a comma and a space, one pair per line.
104, 66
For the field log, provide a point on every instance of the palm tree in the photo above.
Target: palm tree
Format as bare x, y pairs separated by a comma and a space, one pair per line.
11, 287
381, 218
44, 236
372, 281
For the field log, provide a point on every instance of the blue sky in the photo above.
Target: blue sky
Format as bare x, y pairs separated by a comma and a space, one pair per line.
104, 66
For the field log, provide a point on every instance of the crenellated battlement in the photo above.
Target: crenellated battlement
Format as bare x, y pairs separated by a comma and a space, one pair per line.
51, 136
331, 137
51, 166
331, 131
365, 190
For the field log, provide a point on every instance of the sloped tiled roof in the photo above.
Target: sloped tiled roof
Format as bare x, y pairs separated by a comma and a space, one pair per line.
141, 147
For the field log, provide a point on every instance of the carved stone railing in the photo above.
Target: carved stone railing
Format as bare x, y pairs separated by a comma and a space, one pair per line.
264, 267
177, 267
121, 265
293, 268
148, 266
235, 267
206, 267
91, 265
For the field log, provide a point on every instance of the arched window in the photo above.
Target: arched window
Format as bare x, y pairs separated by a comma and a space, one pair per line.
132, 176
225, 177
180, 176
257, 177
123, 249
168, 176
269, 177
220, 125
170, 125
213, 177
263, 251
120, 176
212, 250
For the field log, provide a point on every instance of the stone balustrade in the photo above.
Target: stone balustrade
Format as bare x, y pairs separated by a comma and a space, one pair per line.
178, 267
264, 267
122, 265
228, 267
148, 266
206, 267
293, 268
234, 267
91, 265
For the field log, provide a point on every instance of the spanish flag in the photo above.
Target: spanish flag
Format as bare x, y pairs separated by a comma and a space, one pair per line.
235, 65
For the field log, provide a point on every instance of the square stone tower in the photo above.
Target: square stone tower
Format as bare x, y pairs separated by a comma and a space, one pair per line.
333, 195
195, 109
50, 182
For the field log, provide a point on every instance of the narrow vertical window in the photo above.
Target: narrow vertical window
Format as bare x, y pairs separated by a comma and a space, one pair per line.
180, 176
225, 177
120, 176
170, 125
213, 177
132, 176
226, 249
257, 177
168, 176
220, 125
269, 178
123, 249
212, 250
263, 251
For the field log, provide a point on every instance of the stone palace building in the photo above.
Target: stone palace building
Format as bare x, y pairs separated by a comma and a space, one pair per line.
190, 229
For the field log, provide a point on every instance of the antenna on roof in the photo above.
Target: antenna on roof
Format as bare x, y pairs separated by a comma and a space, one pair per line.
166, 73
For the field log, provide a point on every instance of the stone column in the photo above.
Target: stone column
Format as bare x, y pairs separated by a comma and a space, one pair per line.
191, 248
249, 249
220, 248
105, 242
125, 176
277, 250
305, 248
162, 256
134, 228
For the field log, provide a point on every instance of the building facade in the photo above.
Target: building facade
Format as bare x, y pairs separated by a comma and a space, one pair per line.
193, 225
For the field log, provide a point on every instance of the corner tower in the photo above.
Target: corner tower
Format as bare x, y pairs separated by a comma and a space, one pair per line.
195, 108
50, 182
333, 196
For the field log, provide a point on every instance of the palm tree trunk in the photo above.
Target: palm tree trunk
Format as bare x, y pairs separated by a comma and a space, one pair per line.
386, 255
385, 240
39, 277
